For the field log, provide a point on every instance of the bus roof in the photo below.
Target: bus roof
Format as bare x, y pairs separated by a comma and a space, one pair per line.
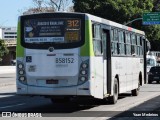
108, 22
98, 19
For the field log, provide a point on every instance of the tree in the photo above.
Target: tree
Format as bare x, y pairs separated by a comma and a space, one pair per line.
54, 5
153, 31
122, 11
60, 5
3, 49
156, 4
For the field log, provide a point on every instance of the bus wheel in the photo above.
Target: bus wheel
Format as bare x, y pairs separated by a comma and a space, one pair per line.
113, 99
135, 92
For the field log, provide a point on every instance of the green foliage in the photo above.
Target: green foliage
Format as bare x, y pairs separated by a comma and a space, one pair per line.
156, 4
153, 32
3, 49
122, 11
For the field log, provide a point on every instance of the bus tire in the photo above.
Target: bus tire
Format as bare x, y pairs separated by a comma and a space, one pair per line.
113, 99
135, 92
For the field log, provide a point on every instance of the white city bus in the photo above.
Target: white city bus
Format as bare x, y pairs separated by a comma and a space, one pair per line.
64, 55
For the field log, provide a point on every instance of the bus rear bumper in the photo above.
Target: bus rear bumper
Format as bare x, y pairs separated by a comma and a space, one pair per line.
52, 91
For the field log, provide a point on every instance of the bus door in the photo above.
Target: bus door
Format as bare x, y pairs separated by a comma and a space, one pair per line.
106, 59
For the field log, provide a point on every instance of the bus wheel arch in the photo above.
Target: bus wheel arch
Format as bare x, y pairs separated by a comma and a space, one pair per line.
140, 78
117, 77
113, 99
135, 92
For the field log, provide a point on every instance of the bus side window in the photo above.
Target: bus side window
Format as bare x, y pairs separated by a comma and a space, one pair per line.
121, 43
138, 46
114, 48
97, 41
114, 41
128, 43
133, 47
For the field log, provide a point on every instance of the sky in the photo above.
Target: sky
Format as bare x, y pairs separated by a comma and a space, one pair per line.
11, 9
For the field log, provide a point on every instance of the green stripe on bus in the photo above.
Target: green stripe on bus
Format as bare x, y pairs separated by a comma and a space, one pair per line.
87, 48
19, 48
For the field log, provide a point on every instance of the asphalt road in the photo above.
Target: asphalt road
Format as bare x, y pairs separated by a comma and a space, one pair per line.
147, 101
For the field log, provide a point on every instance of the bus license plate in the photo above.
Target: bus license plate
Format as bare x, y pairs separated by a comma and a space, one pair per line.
51, 81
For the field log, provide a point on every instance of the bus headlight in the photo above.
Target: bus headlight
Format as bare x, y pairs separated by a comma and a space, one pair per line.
21, 72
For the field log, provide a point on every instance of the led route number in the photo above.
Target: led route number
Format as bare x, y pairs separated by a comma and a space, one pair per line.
73, 23
64, 60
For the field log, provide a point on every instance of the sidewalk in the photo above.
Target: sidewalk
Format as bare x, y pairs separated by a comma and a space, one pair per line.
148, 110
7, 69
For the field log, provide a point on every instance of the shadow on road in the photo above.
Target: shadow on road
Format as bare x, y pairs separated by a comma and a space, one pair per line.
44, 105
15, 103
12, 93
147, 110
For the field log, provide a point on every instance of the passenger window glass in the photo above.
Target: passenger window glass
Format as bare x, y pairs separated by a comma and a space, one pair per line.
115, 35
111, 35
114, 48
133, 40
122, 48
134, 50
141, 51
97, 32
121, 43
97, 47
128, 38
138, 40
121, 37
128, 49
97, 42
138, 51
115, 42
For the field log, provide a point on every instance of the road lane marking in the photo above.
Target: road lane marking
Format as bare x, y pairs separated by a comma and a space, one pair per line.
12, 106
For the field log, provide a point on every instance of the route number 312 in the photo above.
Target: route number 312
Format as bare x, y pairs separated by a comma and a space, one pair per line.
73, 23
